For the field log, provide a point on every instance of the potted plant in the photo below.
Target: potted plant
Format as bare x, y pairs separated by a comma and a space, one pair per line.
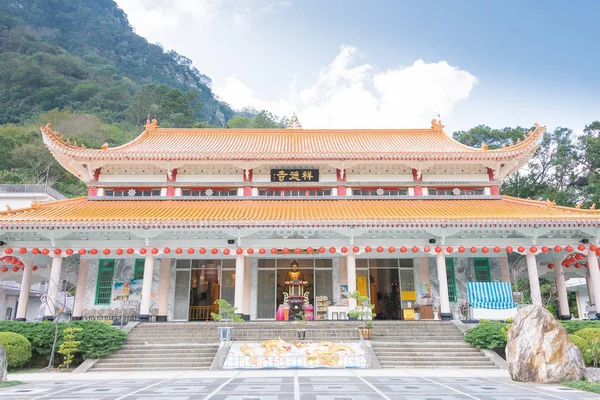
226, 314
363, 312
302, 319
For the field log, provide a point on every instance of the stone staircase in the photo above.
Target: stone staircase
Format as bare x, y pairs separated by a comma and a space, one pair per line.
165, 346
425, 344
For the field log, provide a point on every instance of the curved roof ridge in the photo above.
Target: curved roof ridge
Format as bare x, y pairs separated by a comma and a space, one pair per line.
547, 204
37, 205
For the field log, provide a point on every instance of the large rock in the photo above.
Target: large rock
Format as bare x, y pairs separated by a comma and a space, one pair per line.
3, 365
539, 349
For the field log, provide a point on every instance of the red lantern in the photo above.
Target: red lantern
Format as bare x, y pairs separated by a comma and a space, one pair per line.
34, 268
143, 251
130, 251
178, 250
35, 251
344, 249
285, 250
557, 249
250, 251
368, 249
119, 252
14, 260
69, 252
438, 249
449, 249
577, 265
215, 251
310, 250
426, 249
509, 249
598, 252
190, 250
226, 252
154, 250
82, 251
578, 256
262, 251
569, 249
403, 249
45, 252
106, 251
415, 249
473, 249
533, 249
57, 252
274, 250
23, 250
15, 269
550, 266
4, 269
521, 249
581, 247
297, 250
356, 249
587, 265
392, 249
567, 265
593, 247
545, 249
8, 250
485, 250
332, 250
380, 249
239, 251
462, 249
202, 250
497, 249
321, 250
166, 250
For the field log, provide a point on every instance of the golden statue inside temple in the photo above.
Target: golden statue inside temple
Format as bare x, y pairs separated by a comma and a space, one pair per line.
294, 274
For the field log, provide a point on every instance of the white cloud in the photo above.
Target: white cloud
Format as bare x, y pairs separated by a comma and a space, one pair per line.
351, 95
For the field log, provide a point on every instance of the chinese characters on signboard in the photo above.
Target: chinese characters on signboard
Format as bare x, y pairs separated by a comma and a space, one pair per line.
294, 175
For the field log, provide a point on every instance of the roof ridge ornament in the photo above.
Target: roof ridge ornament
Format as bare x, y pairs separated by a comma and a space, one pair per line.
151, 126
294, 123
437, 125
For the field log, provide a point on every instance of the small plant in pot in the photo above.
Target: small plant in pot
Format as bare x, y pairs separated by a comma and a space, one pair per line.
302, 319
226, 314
362, 312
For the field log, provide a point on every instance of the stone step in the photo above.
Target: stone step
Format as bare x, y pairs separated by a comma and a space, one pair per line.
407, 354
168, 347
158, 364
128, 354
447, 364
148, 368
440, 367
155, 360
432, 358
427, 350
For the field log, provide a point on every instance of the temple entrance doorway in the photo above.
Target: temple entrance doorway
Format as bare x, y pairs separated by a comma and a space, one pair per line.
272, 275
198, 284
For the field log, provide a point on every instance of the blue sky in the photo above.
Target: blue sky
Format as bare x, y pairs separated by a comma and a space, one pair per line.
356, 63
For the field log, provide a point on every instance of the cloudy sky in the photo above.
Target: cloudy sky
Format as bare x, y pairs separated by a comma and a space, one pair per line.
345, 63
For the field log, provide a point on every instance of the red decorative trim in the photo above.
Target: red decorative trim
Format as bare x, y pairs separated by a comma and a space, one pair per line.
494, 190
338, 175
249, 175
96, 175
341, 190
414, 174
92, 191
247, 191
170, 191
490, 174
418, 191
173, 177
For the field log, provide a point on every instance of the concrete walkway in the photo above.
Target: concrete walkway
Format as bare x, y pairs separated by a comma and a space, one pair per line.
401, 384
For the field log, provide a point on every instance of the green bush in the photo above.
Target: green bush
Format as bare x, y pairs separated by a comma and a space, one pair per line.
576, 325
488, 335
17, 348
583, 345
589, 334
97, 339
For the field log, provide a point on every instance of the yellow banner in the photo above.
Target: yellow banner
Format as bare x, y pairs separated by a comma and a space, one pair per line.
361, 285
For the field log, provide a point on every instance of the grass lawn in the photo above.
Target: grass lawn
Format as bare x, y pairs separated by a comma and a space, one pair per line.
9, 384
583, 385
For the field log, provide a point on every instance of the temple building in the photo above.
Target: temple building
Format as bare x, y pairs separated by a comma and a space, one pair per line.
179, 218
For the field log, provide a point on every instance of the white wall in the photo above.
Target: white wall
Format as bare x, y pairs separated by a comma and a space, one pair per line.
132, 178
201, 178
433, 177
389, 177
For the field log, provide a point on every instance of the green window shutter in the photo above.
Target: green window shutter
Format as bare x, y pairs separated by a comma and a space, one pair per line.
138, 272
104, 284
452, 296
482, 270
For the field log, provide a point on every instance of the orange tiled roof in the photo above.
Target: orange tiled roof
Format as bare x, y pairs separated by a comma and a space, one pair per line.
505, 212
289, 144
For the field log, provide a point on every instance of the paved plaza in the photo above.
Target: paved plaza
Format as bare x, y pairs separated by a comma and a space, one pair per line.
292, 385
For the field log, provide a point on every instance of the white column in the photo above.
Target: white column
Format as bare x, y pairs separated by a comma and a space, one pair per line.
163, 290
504, 269
445, 313
590, 287
80, 289
561, 289
238, 302
24, 293
53, 286
595, 275
534, 280
351, 271
146, 288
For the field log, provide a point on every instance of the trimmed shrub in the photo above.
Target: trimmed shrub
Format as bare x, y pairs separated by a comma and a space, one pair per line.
589, 334
583, 345
488, 335
17, 347
97, 339
576, 325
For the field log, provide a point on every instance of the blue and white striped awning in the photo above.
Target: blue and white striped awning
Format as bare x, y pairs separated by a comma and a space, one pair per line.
491, 295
